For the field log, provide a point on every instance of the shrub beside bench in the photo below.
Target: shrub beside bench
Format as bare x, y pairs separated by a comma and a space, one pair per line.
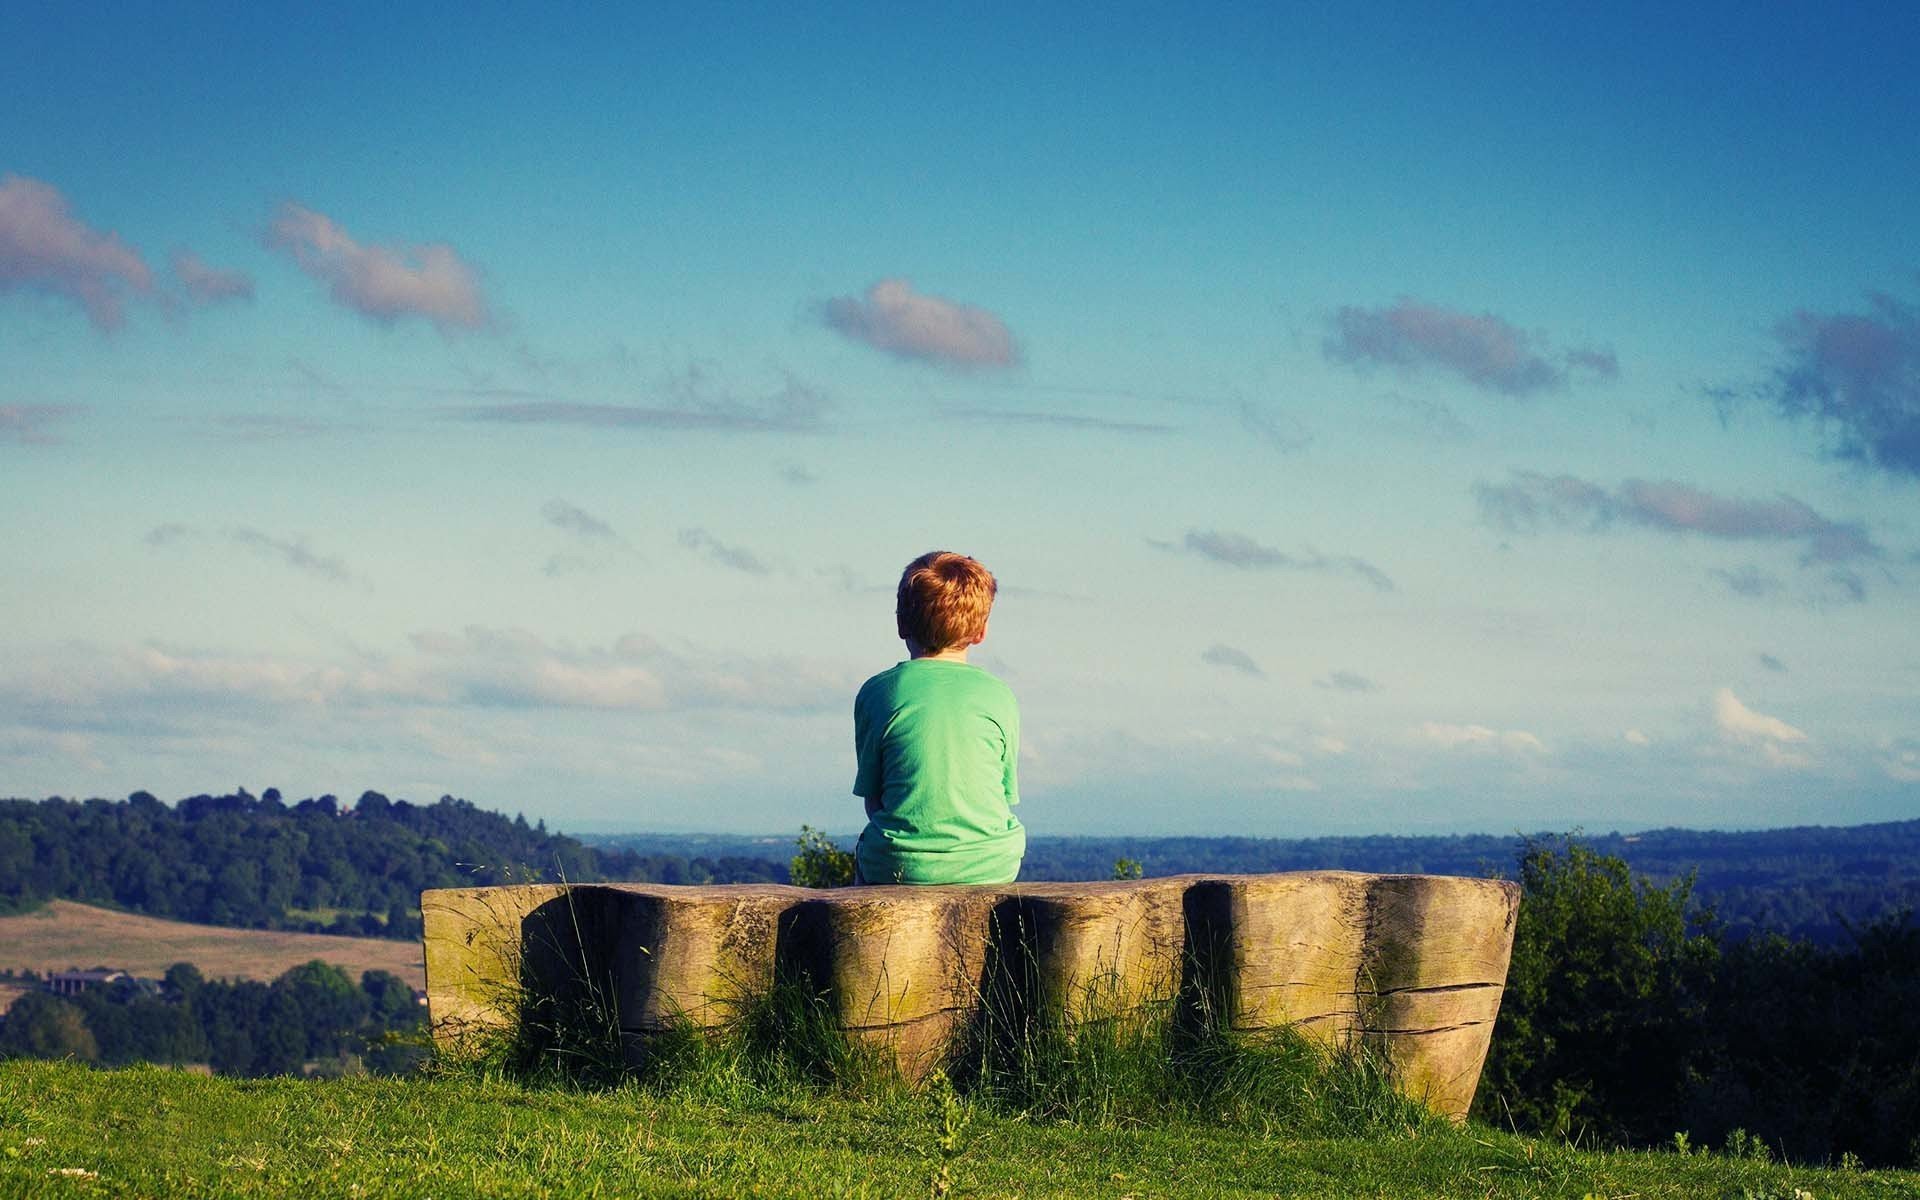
1413, 965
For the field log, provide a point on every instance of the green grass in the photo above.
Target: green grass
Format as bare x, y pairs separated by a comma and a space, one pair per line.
149, 1132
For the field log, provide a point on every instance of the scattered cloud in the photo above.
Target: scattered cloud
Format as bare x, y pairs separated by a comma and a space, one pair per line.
1857, 376
1771, 663
1346, 681
798, 475
1900, 759
1426, 418
294, 553
1233, 659
1531, 500
44, 247
476, 667
32, 424
1770, 736
1002, 416
734, 557
383, 283
209, 285
1238, 550
1280, 430
561, 515
167, 534
795, 408
558, 565
267, 427
515, 668
1848, 586
1480, 738
1633, 737
1483, 349
891, 316
1750, 581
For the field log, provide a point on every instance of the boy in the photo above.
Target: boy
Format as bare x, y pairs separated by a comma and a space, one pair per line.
936, 740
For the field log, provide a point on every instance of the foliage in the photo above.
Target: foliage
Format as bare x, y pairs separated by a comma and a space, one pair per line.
821, 863
1602, 1022
1128, 868
1626, 1020
259, 862
312, 1014
1817, 1049
42, 1025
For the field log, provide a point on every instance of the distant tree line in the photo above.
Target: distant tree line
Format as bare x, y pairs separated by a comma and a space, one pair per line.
1630, 1017
313, 1019
314, 865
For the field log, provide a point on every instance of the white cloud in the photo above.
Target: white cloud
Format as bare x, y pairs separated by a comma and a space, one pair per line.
1633, 737
210, 285
44, 247
1770, 736
1479, 737
909, 324
384, 283
1900, 759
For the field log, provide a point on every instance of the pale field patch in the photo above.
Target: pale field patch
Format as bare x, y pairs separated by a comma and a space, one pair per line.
63, 935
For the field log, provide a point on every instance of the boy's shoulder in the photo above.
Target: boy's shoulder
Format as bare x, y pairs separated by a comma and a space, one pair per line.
933, 676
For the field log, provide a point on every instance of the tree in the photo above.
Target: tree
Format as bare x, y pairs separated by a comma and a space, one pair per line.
42, 1025
820, 863
1602, 1025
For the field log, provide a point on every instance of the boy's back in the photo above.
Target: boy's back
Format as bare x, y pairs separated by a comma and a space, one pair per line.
937, 743
937, 740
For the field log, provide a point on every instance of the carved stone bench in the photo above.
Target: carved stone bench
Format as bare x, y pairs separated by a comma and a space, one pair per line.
1412, 964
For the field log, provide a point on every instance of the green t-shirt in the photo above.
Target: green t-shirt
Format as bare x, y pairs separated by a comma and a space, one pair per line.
936, 742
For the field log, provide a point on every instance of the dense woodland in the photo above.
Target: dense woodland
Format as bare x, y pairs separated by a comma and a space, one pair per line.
258, 862
313, 1019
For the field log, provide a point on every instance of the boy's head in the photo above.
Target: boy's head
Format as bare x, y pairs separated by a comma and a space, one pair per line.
943, 601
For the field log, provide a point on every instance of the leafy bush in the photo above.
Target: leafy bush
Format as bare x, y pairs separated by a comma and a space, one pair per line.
1603, 1026
820, 863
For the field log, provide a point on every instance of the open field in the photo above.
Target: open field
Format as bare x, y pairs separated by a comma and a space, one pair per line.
66, 1130
64, 935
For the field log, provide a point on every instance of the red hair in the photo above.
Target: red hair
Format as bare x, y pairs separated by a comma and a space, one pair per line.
943, 600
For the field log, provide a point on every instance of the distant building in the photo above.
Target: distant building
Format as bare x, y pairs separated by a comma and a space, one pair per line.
72, 983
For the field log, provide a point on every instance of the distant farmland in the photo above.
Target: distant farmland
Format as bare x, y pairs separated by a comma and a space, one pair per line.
65, 935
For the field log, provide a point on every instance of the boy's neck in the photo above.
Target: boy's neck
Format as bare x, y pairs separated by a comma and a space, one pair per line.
951, 654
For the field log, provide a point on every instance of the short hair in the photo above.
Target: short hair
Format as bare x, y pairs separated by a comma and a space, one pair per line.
943, 600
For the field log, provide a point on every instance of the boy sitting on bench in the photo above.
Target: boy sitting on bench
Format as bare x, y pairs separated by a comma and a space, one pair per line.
937, 739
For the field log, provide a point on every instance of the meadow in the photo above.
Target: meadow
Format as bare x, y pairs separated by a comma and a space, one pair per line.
66, 1130
61, 935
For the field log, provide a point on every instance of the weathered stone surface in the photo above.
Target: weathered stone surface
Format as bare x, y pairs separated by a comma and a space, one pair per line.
692, 954
901, 967
1282, 950
1413, 965
1094, 950
472, 941
1437, 953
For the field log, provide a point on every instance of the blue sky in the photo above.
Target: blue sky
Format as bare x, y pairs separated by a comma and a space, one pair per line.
1379, 420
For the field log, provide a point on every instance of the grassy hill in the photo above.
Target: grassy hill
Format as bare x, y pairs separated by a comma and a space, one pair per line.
65, 1130
62, 935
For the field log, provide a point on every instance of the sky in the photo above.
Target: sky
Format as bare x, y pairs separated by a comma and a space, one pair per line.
1380, 419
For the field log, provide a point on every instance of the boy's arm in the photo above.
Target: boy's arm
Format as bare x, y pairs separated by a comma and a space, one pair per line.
867, 783
1010, 770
